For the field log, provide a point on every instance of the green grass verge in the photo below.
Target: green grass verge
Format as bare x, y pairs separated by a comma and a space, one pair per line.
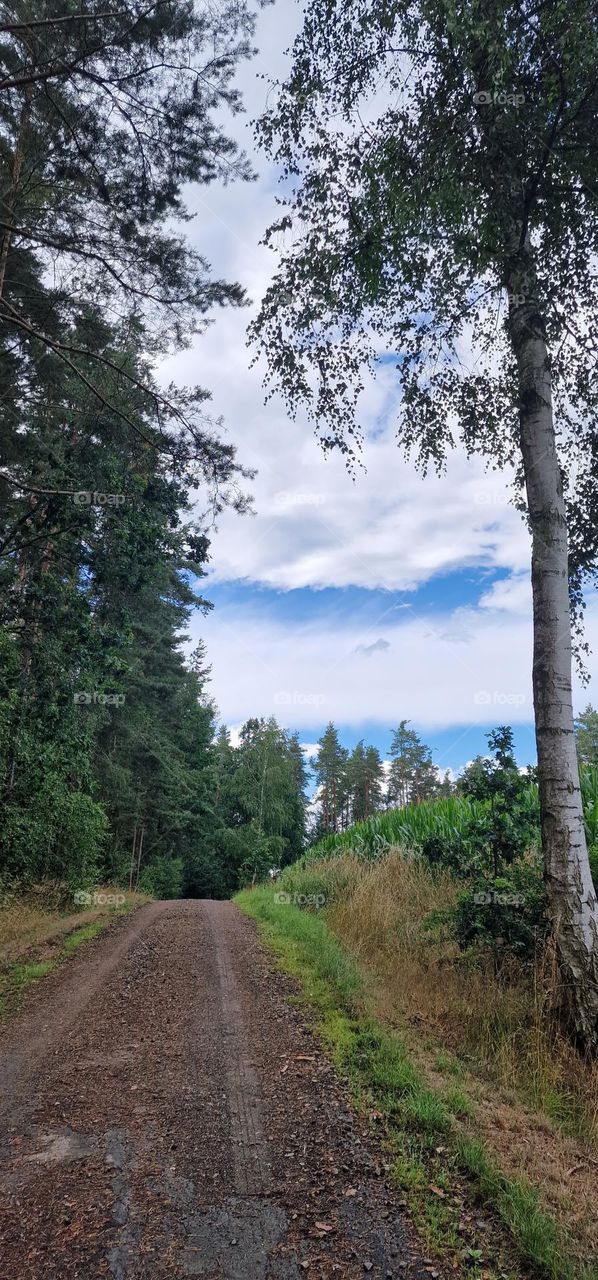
85, 934
15, 978
426, 1128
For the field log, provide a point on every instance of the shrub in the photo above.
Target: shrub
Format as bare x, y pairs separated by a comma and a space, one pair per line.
503, 914
162, 878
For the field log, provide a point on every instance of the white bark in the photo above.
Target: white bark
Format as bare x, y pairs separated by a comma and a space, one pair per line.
571, 891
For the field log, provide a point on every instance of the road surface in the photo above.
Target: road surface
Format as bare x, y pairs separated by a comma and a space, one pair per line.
166, 1112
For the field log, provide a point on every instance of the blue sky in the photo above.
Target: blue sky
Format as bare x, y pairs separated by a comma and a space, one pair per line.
364, 601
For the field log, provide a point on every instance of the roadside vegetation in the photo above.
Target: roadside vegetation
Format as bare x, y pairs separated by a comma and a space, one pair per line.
423, 934
40, 926
474, 1199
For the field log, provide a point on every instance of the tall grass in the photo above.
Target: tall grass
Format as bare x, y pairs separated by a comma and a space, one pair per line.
388, 914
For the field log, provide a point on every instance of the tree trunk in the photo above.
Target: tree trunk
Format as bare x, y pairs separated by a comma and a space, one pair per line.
9, 203
133, 852
567, 870
139, 848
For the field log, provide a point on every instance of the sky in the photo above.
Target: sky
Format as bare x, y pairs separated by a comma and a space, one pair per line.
364, 601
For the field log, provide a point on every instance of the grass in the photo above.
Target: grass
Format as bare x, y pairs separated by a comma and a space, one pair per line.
430, 1134
382, 913
39, 930
89, 931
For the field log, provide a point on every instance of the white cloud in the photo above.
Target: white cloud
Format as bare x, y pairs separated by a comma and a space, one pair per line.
513, 594
471, 667
314, 525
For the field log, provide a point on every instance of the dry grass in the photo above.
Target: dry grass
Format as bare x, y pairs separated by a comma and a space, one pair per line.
499, 1023
535, 1102
44, 914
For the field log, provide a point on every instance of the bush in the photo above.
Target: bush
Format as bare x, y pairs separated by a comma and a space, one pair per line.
500, 914
162, 878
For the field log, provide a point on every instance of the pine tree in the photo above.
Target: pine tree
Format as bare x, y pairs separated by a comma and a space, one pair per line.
365, 775
330, 769
412, 774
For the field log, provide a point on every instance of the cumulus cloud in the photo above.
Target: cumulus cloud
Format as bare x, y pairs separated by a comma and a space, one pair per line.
429, 673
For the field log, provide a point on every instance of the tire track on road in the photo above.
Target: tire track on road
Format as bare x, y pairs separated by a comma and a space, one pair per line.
252, 1164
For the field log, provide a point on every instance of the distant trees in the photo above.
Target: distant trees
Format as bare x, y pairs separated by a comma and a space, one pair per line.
586, 735
353, 786
412, 774
365, 776
330, 769
260, 801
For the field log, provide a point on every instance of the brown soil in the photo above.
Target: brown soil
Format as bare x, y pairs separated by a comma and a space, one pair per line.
167, 1113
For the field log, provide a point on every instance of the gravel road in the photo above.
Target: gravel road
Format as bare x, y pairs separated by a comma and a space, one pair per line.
166, 1112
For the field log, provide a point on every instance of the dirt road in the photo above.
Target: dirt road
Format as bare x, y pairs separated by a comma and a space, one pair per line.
165, 1112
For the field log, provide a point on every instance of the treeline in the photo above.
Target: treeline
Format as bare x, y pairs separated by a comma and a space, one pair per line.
106, 761
352, 786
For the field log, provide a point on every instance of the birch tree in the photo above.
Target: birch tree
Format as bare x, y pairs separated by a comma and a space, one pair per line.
439, 177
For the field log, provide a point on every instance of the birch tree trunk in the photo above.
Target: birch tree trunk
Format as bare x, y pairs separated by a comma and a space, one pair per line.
572, 897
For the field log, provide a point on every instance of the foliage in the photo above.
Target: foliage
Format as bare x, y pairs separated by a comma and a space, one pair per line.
443, 821
162, 878
412, 775
330, 770
106, 758
261, 801
586, 734
512, 813
505, 915
364, 781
